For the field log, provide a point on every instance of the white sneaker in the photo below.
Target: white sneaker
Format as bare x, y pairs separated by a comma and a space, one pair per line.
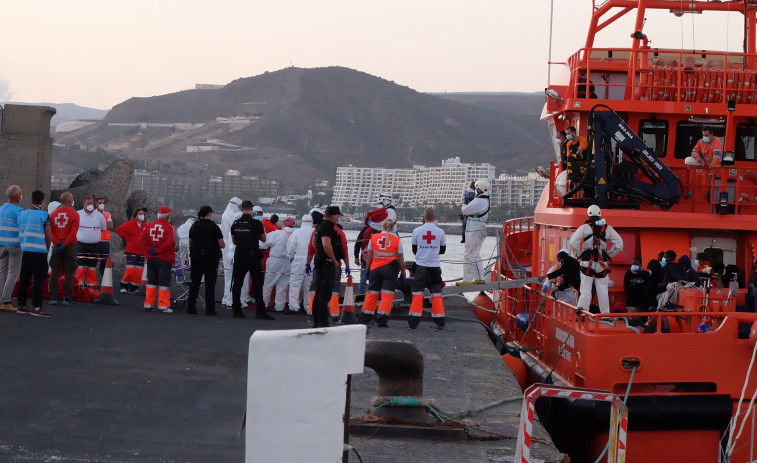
166, 310
123, 291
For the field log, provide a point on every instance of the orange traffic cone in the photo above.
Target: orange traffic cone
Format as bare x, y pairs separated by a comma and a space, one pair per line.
106, 286
348, 305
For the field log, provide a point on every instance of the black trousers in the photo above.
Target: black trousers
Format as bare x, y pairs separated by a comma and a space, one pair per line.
203, 265
33, 266
103, 249
243, 263
324, 282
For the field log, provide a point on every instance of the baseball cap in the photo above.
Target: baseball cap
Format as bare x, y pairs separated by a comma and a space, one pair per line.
246, 204
204, 210
164, 210
289, 222
333, 210
257, 209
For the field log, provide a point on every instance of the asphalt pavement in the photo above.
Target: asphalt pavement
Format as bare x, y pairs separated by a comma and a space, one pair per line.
116, 384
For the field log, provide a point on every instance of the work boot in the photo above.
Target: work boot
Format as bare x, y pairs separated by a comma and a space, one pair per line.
8, 307
413, 322
365, 318
382, 321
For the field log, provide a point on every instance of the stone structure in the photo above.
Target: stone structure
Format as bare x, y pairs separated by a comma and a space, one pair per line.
26, 149
112, 184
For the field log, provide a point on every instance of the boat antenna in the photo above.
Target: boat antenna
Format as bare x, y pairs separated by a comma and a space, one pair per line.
549, 59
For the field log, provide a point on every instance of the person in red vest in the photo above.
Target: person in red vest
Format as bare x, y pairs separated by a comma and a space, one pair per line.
157, 238
131, 231
385, 261
64, 225
104, 246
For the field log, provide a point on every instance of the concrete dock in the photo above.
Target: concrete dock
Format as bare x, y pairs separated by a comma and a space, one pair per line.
116, 384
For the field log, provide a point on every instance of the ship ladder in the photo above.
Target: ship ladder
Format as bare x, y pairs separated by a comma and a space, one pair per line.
618, 418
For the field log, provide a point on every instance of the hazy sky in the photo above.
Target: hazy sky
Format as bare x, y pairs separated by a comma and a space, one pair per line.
98, 53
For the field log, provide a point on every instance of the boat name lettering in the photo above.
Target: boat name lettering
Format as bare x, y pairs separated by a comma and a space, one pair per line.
564, 337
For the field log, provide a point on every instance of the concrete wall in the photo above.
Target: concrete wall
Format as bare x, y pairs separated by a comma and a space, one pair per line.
26, 150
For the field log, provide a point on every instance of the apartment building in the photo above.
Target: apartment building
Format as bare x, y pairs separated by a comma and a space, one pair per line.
158, 184
418, 186
234, 182
514, 190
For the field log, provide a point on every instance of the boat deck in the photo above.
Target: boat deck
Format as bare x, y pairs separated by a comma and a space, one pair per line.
112, 383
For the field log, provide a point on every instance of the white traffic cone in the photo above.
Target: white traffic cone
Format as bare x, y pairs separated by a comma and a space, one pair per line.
106, 287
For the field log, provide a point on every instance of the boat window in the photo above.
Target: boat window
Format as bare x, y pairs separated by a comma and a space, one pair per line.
689, 133
654, 133
717, 250
555, 141
745, 142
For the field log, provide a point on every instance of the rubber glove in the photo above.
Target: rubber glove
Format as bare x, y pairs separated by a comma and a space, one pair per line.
153, 251
367, 275
347, 271
308, 270
61, 249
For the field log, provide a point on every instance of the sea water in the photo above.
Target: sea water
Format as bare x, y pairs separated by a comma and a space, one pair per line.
451, 260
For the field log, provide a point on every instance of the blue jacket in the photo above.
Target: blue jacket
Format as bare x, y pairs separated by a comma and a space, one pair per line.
9, 224
31, 224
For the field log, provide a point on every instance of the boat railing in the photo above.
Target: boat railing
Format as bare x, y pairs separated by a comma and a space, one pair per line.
663, 75
519, 225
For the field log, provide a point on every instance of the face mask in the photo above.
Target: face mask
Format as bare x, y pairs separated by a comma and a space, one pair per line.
471, 190
559, 263
90, 208
20, 198
101, 206
706, 139
141, 217
72, 203
663, 262
635, 268
569, 137
695, 263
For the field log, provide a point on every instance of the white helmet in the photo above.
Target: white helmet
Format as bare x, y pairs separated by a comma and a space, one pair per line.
483, 184
385, 199
594, 211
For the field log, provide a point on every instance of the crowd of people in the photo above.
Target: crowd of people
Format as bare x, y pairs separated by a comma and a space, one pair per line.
294, 270
582, 271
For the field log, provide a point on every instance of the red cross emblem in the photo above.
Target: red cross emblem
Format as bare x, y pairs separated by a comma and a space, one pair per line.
428, 237
61, 220
156, 232
383, 242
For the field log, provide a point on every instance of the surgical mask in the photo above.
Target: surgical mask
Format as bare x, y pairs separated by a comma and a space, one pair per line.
72, 203
101, 206
635, 268
569, 137
695, 263
90, 208
141, 217
559, 263
663, 262
20, 198
706, 139
258, 217
471, 190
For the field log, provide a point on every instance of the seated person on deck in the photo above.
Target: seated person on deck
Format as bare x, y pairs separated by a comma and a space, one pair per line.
709, 150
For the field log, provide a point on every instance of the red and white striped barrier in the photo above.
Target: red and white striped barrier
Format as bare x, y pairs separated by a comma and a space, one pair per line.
618, 432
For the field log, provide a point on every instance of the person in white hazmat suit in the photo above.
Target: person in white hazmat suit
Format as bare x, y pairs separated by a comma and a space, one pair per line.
477, 213
277, 266
231, 213
297, 251
183, 233
595, 243
385, 200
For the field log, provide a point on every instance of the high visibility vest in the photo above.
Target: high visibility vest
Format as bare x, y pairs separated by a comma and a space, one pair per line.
105, 234
385, 247
31, 224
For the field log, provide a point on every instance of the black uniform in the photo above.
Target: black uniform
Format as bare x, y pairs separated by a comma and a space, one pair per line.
636, 288
204, 253
247, 258
324, 271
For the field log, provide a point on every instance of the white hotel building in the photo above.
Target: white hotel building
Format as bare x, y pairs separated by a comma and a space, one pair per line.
424, 186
